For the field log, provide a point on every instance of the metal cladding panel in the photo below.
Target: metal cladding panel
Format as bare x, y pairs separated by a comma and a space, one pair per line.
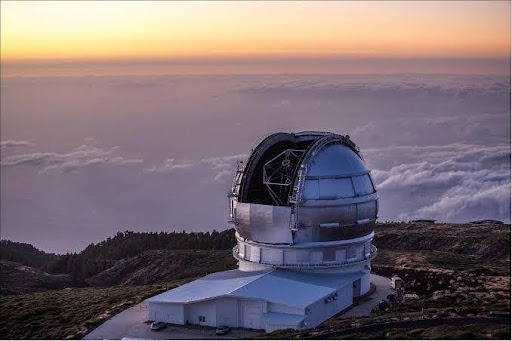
314, 216
296, 256
264, 223
271, 224
341, 255
255, 253
343, 233
336, 188
363, 184
290, 257
248, 252
272, 256
311, 190
338, 201
316, 256
367, 210
243, 220
313, 231
336, 160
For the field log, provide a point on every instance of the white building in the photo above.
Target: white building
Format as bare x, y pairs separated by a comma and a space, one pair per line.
304, 207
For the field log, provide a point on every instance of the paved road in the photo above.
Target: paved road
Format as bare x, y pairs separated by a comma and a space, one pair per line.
130, 323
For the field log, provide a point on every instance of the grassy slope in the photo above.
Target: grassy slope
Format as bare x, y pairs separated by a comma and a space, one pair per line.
72, 312
68, 313
16, 278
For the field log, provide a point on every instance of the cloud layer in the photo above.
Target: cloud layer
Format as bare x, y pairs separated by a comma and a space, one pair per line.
396, 87
169, 166
14, 143
81, 157
455, 182
438, 145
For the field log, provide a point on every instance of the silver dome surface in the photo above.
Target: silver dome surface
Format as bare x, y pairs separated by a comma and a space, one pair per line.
302, 188
336, 160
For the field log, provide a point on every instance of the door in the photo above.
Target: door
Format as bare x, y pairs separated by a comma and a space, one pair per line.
356, 288
251, 314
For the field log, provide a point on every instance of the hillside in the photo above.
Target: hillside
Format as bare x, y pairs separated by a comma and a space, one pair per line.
25, 254
158, 266
96, 258
482, 241
17, 278
459, 271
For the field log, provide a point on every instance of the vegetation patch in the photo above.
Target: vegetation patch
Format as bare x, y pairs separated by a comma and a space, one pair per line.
68, 313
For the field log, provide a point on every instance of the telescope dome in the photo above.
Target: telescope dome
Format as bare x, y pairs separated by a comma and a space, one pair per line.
301, 188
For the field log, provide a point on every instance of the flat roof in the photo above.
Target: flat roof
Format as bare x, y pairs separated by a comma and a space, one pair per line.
291, 288
213, 285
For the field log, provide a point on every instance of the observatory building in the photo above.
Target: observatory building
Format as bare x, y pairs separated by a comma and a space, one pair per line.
304, 207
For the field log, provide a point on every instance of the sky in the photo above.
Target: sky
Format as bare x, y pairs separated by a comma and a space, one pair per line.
120, 29
130, 116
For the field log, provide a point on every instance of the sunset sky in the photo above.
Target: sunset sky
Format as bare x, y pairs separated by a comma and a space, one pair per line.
131, 115
117, 29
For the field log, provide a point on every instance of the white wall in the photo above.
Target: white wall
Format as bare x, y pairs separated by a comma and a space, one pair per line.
365, 282
205, 308
255, 253
167, 312
252, 313
272, 256
227, 312
321, 311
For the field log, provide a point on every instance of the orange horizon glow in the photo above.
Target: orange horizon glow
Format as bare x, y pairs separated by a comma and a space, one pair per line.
86, 30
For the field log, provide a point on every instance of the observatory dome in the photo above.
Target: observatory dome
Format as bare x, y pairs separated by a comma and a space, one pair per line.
303, 188
304, 208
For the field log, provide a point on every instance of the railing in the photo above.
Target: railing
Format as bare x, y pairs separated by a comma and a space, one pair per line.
370, 256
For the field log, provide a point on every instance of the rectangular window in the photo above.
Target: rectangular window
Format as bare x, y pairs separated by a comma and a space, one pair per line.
202, 319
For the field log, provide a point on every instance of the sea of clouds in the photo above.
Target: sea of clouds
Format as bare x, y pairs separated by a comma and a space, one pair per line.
85, 157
